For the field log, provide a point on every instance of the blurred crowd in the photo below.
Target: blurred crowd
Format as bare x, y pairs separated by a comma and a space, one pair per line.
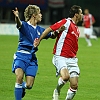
52, 10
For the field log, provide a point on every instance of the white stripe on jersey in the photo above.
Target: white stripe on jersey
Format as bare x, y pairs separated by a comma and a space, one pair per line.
90, 16
62, 38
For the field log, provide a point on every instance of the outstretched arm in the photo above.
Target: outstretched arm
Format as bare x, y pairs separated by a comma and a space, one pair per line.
17, 19
47, 31
37, 41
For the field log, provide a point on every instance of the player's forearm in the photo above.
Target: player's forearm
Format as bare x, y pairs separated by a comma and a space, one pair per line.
93, 22
18, 21
46, 32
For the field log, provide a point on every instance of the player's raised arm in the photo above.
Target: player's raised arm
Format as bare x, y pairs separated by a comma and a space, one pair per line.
17, 19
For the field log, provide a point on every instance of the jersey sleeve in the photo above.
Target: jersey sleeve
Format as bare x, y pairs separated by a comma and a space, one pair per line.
57, 25
93, 19
22, 29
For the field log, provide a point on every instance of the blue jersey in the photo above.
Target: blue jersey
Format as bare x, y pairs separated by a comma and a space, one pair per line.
27, 35
27, 62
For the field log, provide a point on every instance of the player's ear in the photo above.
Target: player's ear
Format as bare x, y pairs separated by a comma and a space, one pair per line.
34, 15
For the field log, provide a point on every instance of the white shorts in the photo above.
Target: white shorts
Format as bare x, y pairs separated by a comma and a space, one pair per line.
69, 63
88, 31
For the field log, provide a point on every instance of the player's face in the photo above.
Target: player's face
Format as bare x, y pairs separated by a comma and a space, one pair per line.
39, 16
86, 11
80, 15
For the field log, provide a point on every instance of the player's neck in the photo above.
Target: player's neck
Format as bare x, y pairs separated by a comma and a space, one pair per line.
33, 22
74, 20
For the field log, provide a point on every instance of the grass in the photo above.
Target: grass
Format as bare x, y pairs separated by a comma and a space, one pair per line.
89, 63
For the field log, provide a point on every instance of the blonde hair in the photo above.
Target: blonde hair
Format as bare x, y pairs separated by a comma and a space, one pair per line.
30, 10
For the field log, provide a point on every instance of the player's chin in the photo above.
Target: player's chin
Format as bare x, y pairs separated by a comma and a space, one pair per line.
39, 20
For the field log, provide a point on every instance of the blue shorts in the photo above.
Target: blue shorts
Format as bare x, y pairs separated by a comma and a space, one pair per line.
27, 62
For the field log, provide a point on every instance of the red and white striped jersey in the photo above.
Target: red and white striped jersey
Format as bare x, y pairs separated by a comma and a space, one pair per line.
67, 41
88, 20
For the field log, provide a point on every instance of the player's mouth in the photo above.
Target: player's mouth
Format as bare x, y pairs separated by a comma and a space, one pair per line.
41, 18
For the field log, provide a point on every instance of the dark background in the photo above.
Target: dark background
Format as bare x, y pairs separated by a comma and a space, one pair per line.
6, 6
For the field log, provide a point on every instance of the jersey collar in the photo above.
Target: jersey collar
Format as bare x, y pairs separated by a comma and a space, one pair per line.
71, 20
31, 24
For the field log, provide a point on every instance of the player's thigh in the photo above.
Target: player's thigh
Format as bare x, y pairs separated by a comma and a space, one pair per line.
19, 75
73, 67
87, 31
60, 63
31, 72
17, 63
64, 74
30, 80
30, 75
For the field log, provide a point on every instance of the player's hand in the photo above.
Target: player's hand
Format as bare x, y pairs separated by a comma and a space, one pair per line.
36, 42
15, 12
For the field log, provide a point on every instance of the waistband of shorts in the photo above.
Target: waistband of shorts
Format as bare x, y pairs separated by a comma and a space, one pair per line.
64, 56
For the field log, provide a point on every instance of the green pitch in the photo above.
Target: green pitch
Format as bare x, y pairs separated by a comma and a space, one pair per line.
89, 63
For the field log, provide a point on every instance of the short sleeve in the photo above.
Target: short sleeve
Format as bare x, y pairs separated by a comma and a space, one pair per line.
57, 25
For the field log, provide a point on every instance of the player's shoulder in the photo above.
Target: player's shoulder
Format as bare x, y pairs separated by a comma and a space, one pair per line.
40, 27
90, 14
62, 21
24, 23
